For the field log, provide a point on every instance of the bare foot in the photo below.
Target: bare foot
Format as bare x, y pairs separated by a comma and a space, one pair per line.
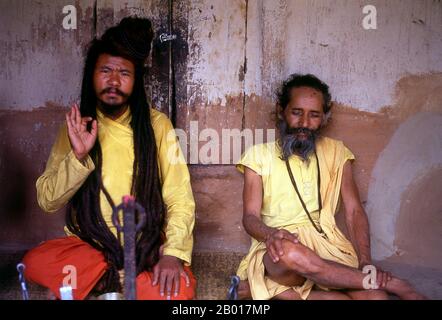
403, 290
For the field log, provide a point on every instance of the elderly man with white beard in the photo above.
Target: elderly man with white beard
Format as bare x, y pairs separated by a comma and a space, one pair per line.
292, 188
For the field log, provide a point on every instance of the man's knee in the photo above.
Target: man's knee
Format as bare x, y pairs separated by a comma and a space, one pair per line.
32, 264
300, 259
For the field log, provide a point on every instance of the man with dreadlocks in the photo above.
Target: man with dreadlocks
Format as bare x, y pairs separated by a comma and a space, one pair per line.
291, 193
113, 145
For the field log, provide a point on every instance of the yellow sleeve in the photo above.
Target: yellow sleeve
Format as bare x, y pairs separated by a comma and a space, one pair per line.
63, 175
252, 158
176, 191
347, 154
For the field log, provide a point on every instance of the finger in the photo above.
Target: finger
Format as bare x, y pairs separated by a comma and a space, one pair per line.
74, 125
169, 284
69, 124
279, 234
176, 280
77, 117
278, 247
72, 114
155, 276
162, 283
381, 278
86, 119
273, 254
186, 278
378, 278
84, 122
385, 280
74, 117
293, 237
67, 119
94, 128
270, 253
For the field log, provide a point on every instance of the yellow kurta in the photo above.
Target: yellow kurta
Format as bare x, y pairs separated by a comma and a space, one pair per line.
281, 208
64, 175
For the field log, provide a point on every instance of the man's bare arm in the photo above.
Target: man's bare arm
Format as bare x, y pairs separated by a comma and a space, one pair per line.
252, 202
355, 216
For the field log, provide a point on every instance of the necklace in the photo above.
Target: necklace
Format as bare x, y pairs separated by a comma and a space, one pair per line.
318, 228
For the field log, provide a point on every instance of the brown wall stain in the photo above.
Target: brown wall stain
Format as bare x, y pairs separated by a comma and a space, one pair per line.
416, 93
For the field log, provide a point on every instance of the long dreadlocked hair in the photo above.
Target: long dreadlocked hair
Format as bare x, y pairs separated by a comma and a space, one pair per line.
84, 217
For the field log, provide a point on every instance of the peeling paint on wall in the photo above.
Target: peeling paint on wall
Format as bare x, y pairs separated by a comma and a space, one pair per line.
216, 57
40, 58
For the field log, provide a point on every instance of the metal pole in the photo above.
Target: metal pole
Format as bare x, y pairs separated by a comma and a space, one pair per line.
130, 229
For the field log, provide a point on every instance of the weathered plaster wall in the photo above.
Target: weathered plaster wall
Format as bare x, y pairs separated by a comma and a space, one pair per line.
41, 61
229, 58
379, 78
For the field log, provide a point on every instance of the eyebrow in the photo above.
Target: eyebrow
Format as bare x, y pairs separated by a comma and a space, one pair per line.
109, 68
300, 109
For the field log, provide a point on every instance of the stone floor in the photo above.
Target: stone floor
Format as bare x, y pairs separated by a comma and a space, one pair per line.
213, 271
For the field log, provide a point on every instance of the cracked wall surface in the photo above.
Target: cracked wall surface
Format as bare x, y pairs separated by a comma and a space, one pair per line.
229, 58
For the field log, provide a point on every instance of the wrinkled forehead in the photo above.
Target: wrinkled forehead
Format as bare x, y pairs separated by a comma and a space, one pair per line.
114, 62
306, 97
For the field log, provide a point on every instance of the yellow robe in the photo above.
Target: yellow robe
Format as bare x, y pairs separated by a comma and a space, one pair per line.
281, 208
64, 175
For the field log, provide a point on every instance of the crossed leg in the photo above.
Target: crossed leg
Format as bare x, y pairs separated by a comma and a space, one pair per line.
300, 263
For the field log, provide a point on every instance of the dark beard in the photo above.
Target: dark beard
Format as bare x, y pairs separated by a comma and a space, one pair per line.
291, 144
112, 109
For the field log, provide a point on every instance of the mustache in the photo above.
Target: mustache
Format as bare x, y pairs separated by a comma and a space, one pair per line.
114, 90
302, 130
291, 144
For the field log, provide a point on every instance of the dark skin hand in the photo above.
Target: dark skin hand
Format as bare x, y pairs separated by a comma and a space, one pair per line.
382, 277
80, 138
167, 273
274, 243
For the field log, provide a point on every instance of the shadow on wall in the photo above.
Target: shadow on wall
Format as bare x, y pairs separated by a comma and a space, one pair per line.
15, 186
14, 181
26, 139
404, 203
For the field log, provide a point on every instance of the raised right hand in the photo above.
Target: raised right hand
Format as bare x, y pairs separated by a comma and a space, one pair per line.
274, 243
80, 138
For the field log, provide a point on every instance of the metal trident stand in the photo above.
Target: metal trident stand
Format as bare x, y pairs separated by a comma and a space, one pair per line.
21, 278
129, 229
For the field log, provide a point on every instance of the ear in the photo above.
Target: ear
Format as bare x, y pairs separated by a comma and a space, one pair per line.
326, 118
279, 112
